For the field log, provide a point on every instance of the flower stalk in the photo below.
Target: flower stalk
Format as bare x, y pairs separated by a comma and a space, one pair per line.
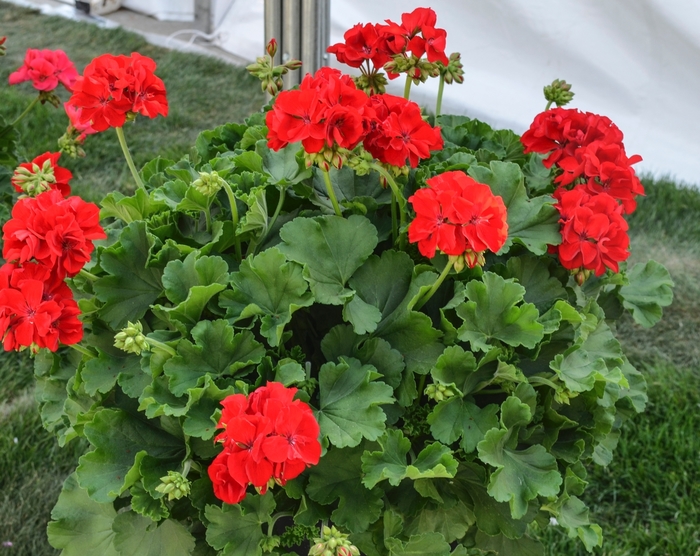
234, 217
129, 160
27, 110
331, 192
440, 279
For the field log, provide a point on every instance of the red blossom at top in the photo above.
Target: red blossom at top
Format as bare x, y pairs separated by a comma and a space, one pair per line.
37, 309
113, 86
46, 69
42, 174
363, 43
457, 215
267, 435
53, 231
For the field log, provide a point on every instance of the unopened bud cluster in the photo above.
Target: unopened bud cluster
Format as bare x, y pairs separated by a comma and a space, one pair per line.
453, 72
582, 275
269, 74
131, 339
329, 157
71, 142
50, 97
3, 48
438, 392
468, 259
559, 92
419, 69
208, 183
333, 543
373, 83
174, 485
36, 180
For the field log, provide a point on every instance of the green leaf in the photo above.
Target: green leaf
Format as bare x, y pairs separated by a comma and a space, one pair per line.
649, 290
577, 369
341, 340
270, 287
456, 418
572, 514
451, 522
434, 461
349, 402
100, 374
120, 442
136, 535
331, 248
338, 476
137, 207
289, 372
217, 351
493, 313
236, 529
427, 544
457, 367
179, 277
80, 525
132, 285
520, 475
534, 222
284, 166
503, 546
146, 505
363, 316
541, 288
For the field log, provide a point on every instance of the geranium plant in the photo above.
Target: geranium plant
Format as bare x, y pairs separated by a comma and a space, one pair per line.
339, 328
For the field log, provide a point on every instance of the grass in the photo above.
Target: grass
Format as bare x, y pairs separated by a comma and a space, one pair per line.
647, 500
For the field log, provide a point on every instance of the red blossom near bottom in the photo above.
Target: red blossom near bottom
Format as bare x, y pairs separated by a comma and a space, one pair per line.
268, 437
42, 174
37, 310
457, 216
594, 232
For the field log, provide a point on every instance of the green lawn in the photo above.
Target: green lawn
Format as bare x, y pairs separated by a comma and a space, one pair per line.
647, 500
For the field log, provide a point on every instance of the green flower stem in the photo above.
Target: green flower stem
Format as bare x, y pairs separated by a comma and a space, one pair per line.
407, 87
234, 215
88, 275
207, 216
421, 387
278, 208
549, 104
331, 193
28, 109
441, 88
398, 196
394, 225
445, 271
83, 350
161, 346
274, 519
129, 160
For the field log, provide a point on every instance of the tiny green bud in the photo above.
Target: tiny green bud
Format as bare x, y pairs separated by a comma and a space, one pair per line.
559, 93
131, 339
317, 549
174, 485
208, 183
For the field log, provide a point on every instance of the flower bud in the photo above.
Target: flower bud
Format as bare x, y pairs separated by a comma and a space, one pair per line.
131, 339
292, 65
559, 93
208, 183
35, 181
271, 48
317, 549
474, 258
174, 485
454, 71
581, 276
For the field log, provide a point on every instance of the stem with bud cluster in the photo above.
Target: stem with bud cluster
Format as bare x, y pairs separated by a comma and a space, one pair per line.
331, 192
83, 350
28, 109
441, 88
407, 87
129, 160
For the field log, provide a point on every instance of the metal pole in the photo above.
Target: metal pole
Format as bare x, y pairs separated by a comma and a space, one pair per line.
310, 44
273, 26
291, 38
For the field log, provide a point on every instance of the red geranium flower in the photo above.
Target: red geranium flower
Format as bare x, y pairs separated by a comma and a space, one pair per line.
113, 86
42, 174
46, 69
456, 215
267, 435
54, 231
362, 43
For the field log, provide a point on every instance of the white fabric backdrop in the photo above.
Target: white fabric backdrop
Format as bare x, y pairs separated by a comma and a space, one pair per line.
636, 61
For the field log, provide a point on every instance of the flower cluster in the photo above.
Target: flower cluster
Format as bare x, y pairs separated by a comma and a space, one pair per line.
40, 175
415, 47
459, 217
37, 309
113, 88
46, 69
268, 437
589, 151
54, 231
328, 113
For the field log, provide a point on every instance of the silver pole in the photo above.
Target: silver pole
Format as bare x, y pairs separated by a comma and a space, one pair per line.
273, 26
291, 38
310, 43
